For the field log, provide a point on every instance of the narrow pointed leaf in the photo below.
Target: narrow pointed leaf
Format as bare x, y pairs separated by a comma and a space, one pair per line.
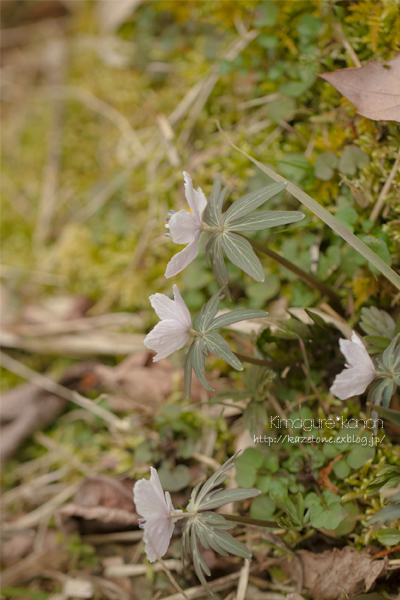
215, 259
212, 215
389, 414
234, 316
265, 219
231, 545
226, 496
198, 363
218, 346
240, 252
188, 373
246, 204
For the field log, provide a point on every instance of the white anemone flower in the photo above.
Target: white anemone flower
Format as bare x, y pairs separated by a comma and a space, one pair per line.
185, 228
157, 514
359, 371
173, 331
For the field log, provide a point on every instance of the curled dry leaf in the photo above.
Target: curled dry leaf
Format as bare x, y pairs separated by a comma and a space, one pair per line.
102, 504
332, 573
373, 89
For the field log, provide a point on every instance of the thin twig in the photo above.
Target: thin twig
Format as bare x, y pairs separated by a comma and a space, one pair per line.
59, 390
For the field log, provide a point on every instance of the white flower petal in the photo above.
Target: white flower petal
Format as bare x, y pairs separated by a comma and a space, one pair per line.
157, 536
181, 260
165, 307
154, 507
147, 501
166, 337
359, 371
184, 314
195, 198
183, 227
356, 355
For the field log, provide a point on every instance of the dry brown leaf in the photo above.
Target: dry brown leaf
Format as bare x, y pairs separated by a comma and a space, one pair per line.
137, 384
332, 573
102, 504
373, 89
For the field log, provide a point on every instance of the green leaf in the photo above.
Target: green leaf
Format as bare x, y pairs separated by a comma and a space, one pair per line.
389, 514
234, 316
215, 258
175, 479
377, 322
271, 463
218, 346
198, 364
188, 372
262, 508
226, 496
324, 165
281, 109
380, 248
352, 158
266, 219
267, 14
389, 536
240, 252
212, 213
328, 219
329, 519
341, 469
348, 216
359, 455
309, 26
391, 415
246, 204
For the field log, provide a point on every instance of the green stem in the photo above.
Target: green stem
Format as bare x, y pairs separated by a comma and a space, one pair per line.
325, 216
249, 521
273, 364
306, 277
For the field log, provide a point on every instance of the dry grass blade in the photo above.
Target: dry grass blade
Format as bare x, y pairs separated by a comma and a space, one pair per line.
55, 388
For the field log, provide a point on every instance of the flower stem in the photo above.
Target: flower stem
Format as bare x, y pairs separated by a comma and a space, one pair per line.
273, 364
249, 521
306, 277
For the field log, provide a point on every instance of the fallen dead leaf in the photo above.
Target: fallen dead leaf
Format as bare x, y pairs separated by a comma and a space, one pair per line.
335, 572
373, 89
102, 504
137, 384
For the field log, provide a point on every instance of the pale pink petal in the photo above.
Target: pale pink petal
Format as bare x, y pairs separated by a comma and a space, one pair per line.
350, 382
356, 355
181, 260
358, 373
157, 536
195, 198
183, 227
184, 314
165, 307
166, 337
147, 502
156, 483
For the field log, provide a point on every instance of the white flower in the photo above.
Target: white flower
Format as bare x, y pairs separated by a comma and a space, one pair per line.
359, 371
185, 228
173, 331
155, 510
